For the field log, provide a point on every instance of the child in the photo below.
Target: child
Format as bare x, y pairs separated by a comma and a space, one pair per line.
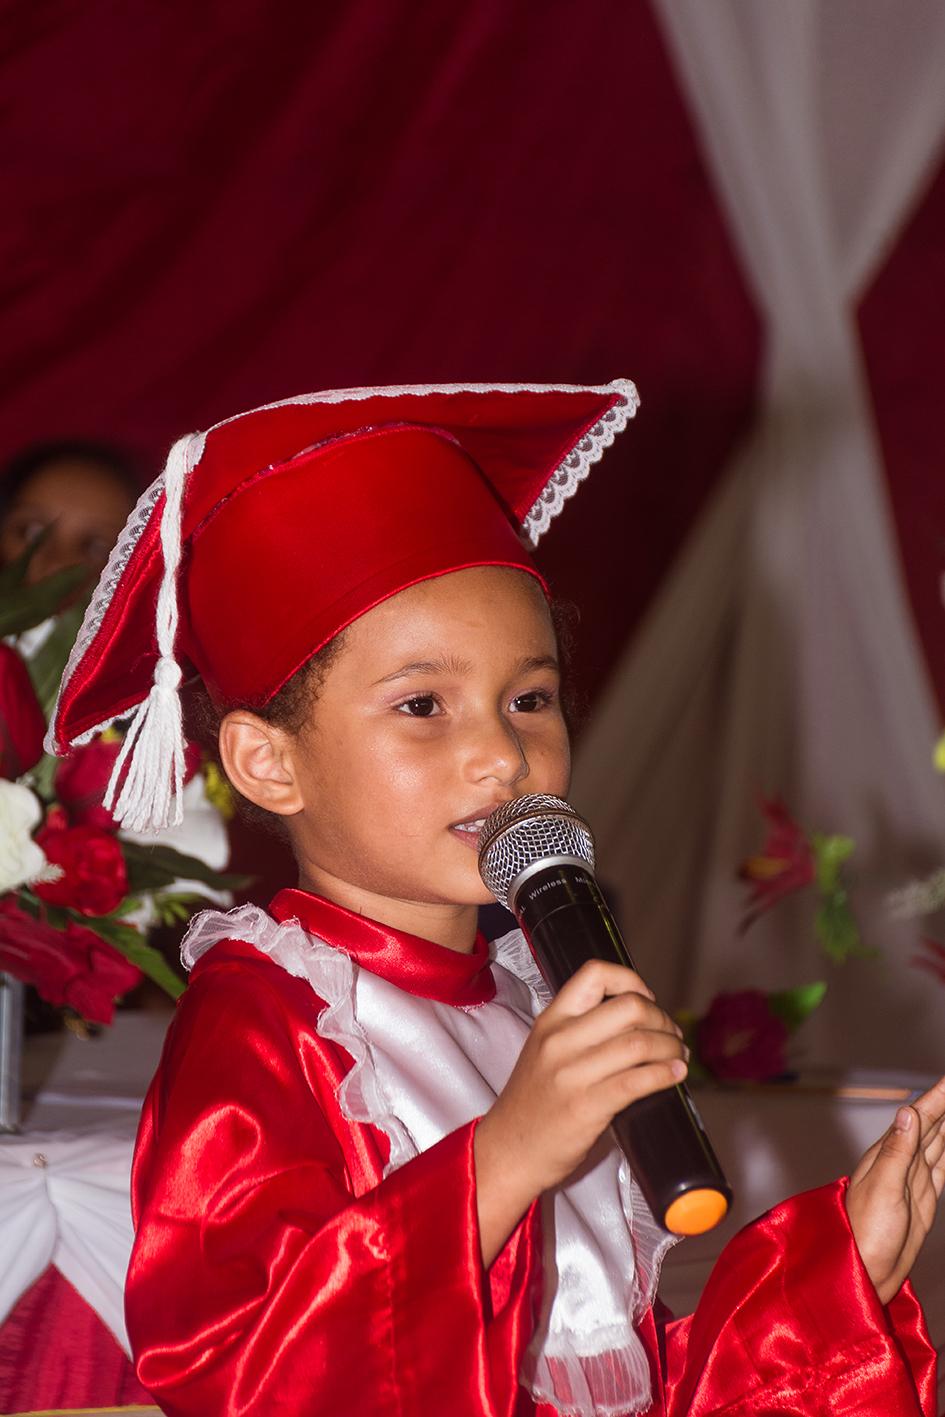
366, 1181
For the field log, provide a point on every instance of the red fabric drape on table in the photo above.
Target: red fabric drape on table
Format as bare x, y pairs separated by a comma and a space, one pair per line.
55, 1352
206, 210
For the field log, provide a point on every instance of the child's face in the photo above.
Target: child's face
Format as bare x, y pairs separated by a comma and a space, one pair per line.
443, 703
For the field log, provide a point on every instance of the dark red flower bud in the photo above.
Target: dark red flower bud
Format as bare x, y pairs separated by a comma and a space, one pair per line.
740, 1037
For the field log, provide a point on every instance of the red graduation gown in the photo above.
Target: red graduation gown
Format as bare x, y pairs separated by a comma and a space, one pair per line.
275, 1272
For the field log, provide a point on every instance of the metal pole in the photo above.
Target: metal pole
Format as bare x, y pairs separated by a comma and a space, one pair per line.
11, 1051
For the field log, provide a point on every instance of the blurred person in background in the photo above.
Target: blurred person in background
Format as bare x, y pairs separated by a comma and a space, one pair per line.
78, 492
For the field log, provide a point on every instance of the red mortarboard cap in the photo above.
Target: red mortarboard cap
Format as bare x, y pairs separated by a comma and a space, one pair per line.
269, 533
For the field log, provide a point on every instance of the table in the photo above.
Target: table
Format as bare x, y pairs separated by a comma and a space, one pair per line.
65, 1219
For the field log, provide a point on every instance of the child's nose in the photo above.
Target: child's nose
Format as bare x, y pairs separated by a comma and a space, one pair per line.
498, 752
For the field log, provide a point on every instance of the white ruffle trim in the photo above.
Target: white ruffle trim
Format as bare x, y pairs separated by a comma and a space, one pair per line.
602, 1371
331, 974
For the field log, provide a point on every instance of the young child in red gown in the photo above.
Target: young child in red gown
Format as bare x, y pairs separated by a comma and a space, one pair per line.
373, 1173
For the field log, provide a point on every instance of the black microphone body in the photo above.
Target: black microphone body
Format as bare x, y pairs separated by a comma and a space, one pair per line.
566, 921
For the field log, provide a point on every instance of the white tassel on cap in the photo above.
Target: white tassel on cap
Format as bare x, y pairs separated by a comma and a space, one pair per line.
150, 797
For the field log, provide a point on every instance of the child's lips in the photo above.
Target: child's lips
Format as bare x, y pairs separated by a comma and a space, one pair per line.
468, 832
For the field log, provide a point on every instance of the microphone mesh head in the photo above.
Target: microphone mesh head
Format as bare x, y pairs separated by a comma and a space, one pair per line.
527, 830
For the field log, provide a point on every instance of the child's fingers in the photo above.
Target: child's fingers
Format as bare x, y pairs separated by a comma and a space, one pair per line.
935, 1159
630, 1085
931, 1107
616, 1015
591, 984
614, 1056
897, 1152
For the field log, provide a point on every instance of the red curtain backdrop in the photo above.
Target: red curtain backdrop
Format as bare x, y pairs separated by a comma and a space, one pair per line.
207, 209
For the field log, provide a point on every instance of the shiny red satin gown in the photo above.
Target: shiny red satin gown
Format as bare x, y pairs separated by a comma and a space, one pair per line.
276, 1273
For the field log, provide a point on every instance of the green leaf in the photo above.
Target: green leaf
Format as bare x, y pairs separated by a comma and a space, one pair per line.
13, 574
830, 852
837, 930
49, 661
151, 867
29, 902
30, 605
132, 944
42, 777
178, 909
793, 1006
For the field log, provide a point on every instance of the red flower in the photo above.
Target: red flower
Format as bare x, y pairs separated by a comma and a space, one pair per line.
741, 1038
933, 960
94, 879
71, 967
81, 781
22, 721
786, 862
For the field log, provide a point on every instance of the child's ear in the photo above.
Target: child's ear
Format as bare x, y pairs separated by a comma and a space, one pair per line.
257, 759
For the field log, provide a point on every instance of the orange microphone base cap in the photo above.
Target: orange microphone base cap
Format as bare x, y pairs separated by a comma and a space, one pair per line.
695, 1212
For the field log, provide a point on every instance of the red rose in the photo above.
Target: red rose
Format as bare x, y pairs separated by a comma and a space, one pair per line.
105, 976
33, 951
22, 721
81, 781
71, 967
83, 777
740, 1037
94, 879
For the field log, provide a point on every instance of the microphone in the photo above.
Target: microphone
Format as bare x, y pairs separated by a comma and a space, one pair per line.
536, 855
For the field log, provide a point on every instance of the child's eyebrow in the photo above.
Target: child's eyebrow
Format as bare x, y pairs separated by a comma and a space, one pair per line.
459, 667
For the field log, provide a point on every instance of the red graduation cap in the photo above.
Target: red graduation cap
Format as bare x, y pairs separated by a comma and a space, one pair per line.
269, 533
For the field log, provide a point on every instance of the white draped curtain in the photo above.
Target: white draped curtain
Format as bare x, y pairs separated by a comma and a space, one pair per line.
780, 657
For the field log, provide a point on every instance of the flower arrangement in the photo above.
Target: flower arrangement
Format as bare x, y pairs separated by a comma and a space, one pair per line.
744, 1035
77, 895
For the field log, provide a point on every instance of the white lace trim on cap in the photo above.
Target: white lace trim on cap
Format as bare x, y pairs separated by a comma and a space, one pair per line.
602, 1248
562, 484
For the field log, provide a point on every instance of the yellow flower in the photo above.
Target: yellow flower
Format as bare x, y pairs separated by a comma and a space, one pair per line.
219, 792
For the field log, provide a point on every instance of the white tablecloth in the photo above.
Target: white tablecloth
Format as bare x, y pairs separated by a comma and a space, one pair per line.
64, 1182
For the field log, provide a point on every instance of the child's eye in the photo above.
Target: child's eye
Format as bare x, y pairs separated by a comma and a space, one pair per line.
420, 706
533, 701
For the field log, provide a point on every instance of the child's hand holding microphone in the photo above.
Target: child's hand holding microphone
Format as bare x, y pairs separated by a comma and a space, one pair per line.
602, 1043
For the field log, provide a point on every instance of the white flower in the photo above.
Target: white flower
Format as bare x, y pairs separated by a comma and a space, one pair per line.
918, 897
21, 860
